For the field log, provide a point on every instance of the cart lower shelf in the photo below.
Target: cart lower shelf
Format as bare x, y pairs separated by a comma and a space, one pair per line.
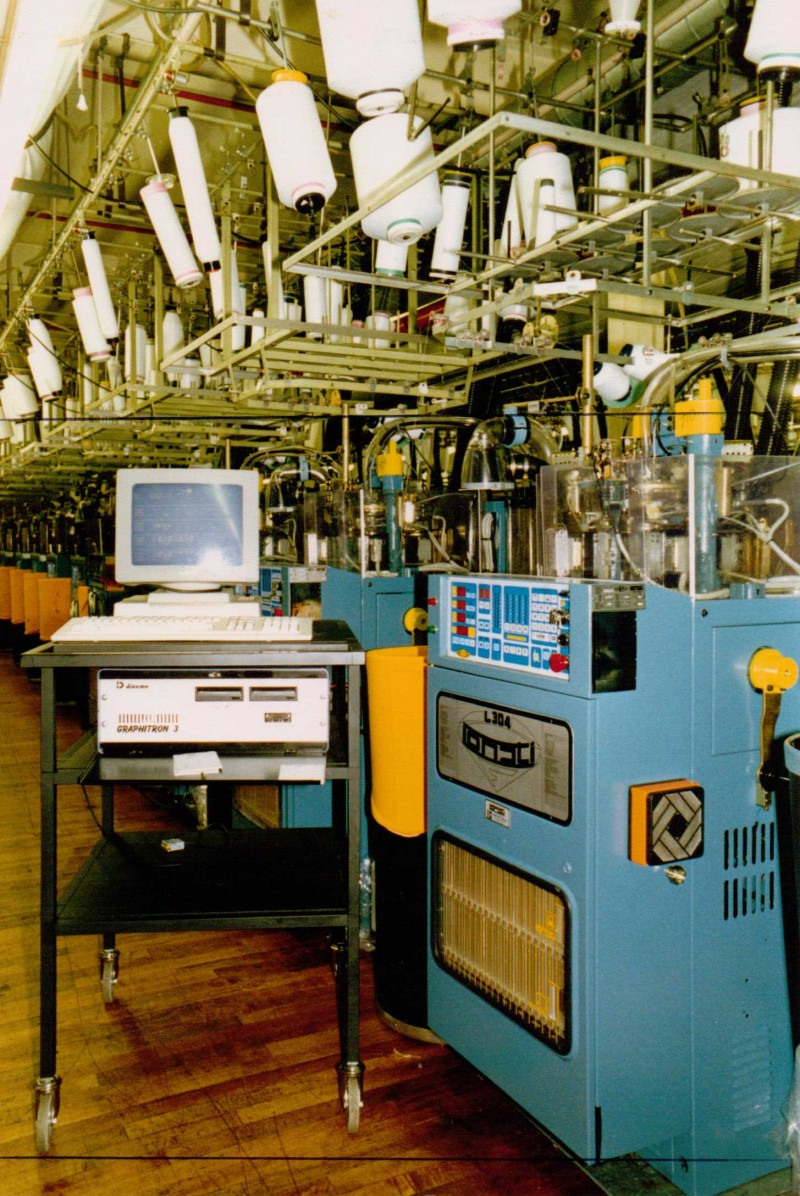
218, 880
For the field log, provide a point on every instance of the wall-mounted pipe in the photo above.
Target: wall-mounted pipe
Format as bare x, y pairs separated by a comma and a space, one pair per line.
402, 424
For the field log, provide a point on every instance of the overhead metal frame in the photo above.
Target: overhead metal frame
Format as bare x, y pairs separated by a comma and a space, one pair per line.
289, 361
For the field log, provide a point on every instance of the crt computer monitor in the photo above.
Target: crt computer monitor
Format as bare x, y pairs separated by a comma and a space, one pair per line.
187, 529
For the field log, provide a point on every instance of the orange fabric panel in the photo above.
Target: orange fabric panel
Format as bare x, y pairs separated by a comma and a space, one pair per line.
30, 602
5, 591
17, 602
55, 600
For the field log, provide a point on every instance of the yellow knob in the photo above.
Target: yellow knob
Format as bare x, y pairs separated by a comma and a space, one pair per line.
772, 672
415, 619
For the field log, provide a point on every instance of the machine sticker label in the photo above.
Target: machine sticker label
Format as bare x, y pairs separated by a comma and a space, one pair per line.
499, 814
525, 759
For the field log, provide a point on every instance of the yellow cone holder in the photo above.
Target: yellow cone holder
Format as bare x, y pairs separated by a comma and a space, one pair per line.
772, 674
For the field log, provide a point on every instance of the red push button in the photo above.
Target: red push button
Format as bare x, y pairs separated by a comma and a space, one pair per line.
431, 602
558, 662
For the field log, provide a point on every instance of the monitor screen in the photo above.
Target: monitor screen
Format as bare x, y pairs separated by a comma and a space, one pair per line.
187, 527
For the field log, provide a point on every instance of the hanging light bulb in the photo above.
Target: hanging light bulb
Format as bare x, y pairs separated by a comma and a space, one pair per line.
373, 50
296, 148
95, 344
774, 38
623, 21
101, 293
189, 164
171, 237
473, 24
450, 229
381, 150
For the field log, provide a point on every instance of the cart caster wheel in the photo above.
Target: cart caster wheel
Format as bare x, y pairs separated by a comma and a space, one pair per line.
352, 1103
109, 971
46, 1115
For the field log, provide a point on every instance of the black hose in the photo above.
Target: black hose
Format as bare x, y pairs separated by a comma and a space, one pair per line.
778, 410
739, 404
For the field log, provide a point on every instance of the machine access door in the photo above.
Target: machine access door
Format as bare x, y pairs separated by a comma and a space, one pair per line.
511, 829
558, 967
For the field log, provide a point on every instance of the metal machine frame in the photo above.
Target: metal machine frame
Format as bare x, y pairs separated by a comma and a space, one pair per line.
315, 871
679, 1041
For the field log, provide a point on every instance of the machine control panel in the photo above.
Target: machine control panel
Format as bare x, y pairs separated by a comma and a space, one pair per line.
510, 623
612, 596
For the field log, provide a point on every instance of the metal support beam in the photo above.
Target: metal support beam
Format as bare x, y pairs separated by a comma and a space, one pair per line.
163, 61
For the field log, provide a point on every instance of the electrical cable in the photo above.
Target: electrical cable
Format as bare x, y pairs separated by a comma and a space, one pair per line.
439, 548
142, 860
348, 124
60, 169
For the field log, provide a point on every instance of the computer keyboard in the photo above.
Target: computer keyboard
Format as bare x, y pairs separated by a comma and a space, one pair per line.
227, 629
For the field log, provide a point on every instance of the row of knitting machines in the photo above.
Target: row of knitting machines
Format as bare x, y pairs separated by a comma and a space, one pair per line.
604, 645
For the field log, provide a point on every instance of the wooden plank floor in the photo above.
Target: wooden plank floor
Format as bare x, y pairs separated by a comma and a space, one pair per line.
213, 1071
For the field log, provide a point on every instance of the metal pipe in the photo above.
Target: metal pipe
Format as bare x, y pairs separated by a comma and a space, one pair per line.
345, 443
391, 427
490, 237
670, 377
647, 164
587, 385
769, 116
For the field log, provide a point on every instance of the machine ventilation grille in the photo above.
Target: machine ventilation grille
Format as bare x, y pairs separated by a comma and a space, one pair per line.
505, 935
751, 1087
746, 850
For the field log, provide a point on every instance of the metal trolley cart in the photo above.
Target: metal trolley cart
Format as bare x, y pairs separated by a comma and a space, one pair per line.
264, 879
